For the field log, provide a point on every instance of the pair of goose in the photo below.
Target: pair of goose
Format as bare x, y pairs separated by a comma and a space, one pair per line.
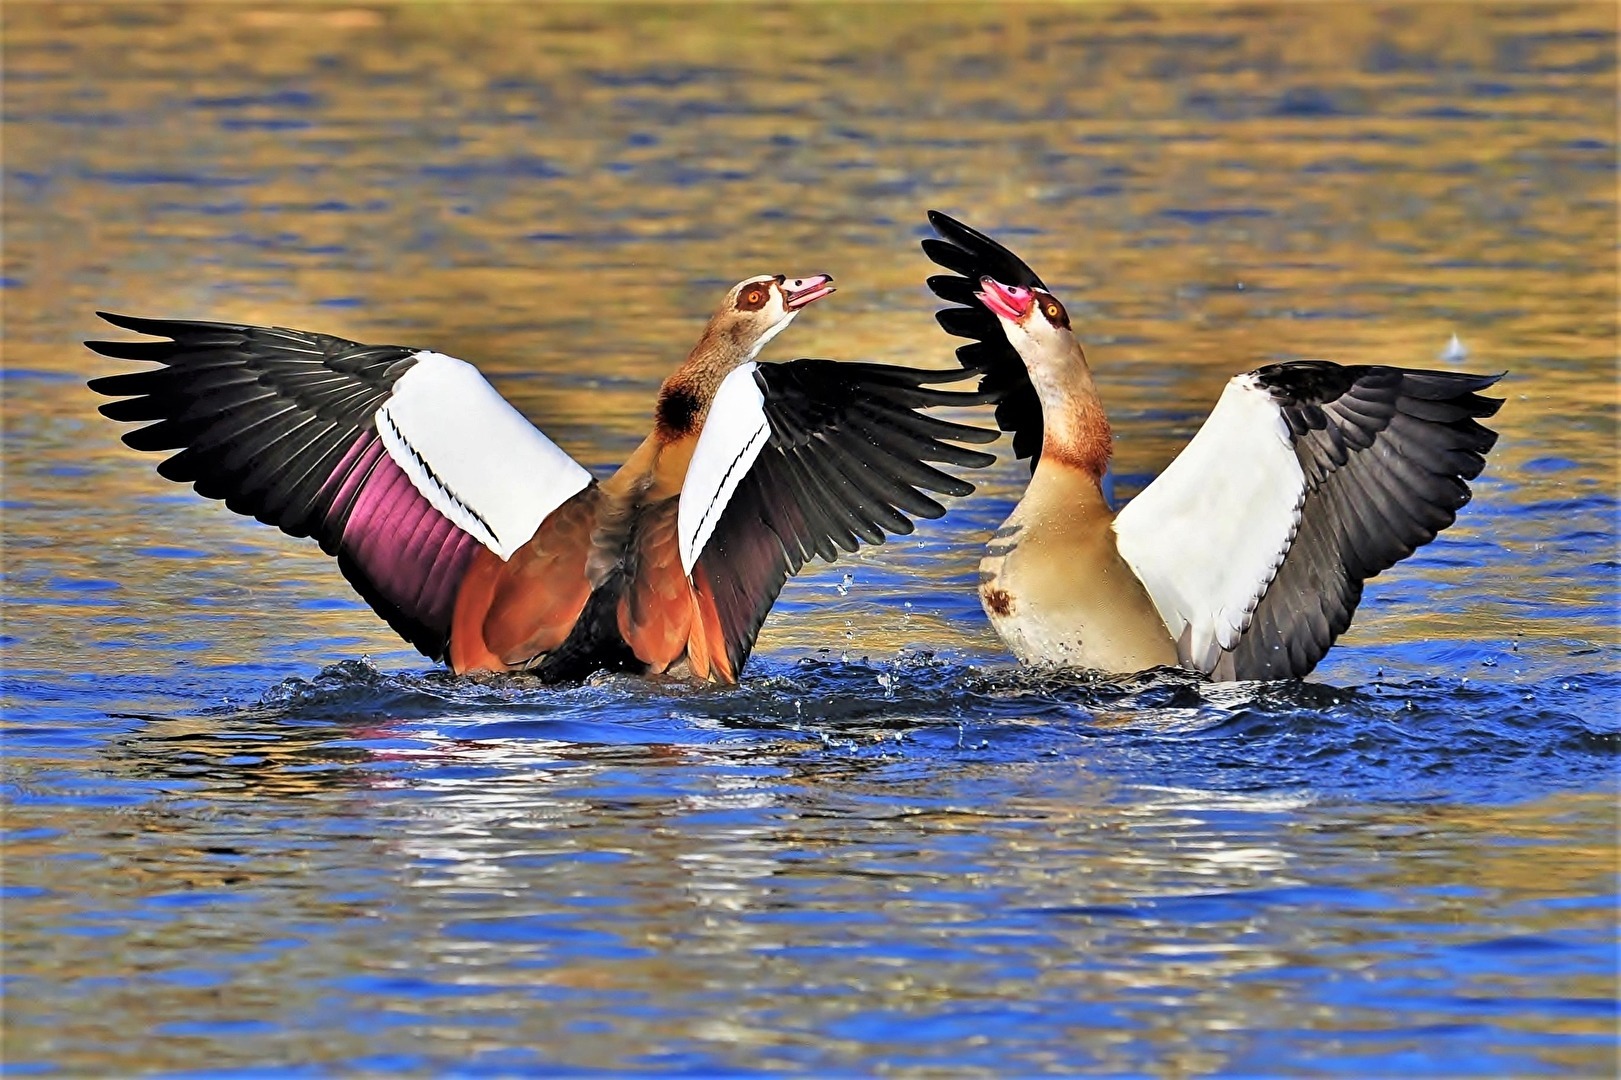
487, 547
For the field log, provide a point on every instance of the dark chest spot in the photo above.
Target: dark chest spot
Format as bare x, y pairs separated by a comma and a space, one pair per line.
678, 409
997, 601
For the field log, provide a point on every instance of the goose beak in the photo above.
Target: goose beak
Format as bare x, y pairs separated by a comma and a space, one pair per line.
797, 292
1009, 301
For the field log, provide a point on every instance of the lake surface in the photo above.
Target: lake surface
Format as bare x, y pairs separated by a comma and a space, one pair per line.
247, 829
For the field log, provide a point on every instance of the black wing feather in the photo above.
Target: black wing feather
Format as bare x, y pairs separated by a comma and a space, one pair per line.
971, 254
1387, 453
247, 406
846, 463
263, 418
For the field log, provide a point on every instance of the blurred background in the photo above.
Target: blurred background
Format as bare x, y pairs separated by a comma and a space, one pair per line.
561, 194
887, 850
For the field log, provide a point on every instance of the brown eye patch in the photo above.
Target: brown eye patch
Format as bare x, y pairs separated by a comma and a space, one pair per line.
753, 298
1053, 311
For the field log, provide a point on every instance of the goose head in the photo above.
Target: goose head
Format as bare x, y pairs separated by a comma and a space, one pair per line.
1036, 323
757, 309
1074, 427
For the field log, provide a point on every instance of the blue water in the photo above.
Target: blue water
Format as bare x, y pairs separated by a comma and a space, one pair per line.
842, 862
247, 831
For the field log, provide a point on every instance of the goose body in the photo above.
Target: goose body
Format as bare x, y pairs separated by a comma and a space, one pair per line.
1056, 589
1246, 557
488, 547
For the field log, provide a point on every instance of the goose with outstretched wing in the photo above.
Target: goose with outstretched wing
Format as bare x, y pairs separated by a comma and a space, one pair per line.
486, 546
1246, 557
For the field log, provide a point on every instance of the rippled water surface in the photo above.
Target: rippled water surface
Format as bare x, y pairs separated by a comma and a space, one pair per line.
247, 828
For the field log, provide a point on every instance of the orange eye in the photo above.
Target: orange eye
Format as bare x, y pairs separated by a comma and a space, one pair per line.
1052, 311
753, 297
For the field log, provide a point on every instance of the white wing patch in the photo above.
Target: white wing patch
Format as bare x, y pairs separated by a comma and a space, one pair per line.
474, 457
733, 435
1206, 538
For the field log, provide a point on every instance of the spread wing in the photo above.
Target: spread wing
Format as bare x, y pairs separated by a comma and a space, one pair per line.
1307, 479
399, 461
803, 459
970, 255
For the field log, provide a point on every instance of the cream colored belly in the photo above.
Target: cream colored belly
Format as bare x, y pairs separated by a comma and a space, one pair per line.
1059, 594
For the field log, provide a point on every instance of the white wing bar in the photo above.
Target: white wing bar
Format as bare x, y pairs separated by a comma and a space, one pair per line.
474, 457
734, 433
1207, 536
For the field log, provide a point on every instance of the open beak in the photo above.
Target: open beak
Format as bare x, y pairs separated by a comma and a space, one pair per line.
1008, 301
797, 292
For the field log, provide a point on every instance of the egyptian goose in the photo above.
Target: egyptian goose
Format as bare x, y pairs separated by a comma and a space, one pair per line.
486, 546
1245, 558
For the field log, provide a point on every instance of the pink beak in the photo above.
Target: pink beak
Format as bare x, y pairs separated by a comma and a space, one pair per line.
797, 292
1008, 301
